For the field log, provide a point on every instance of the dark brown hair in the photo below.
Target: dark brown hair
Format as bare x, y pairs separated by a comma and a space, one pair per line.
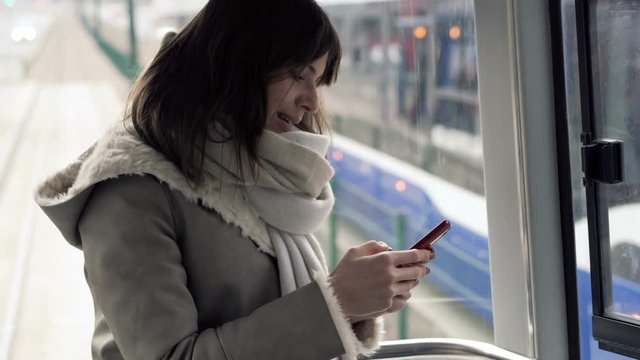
216, 70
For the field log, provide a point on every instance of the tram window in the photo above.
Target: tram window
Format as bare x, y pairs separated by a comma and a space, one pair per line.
616, 98
456, 115
615, 50
405, 100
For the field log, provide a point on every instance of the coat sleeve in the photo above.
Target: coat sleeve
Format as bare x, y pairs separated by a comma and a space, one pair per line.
134, 269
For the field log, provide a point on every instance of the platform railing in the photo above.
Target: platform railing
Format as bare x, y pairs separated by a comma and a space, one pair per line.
440, 347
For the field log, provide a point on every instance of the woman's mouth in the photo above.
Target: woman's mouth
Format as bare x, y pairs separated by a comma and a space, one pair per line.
286, 123
284, 118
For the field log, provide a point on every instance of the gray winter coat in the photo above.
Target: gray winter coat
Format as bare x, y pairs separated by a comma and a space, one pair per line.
171, 279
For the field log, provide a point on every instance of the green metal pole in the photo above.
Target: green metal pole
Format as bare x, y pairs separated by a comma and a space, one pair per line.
333, 234
401, 240
133, 44
97, 20
333, 231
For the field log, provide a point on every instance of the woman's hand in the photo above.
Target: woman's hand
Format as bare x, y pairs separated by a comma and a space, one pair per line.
370, 280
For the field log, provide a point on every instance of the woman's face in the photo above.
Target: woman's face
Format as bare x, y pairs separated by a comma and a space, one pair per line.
289, 98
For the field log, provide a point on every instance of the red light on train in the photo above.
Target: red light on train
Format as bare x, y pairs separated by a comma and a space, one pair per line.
401, 186
420, 32
338, 155
455, 32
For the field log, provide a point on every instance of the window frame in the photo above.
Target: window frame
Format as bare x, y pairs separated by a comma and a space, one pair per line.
521, 178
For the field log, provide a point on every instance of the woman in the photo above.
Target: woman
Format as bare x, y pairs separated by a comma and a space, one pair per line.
195, 215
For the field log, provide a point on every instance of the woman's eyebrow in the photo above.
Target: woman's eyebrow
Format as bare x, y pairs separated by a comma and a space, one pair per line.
313, 70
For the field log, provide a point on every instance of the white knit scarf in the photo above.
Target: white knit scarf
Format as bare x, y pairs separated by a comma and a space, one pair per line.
290, 192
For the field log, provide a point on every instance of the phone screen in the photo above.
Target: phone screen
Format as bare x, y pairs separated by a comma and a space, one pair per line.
432, 236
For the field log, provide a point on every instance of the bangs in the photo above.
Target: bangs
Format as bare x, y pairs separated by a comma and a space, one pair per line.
316, 37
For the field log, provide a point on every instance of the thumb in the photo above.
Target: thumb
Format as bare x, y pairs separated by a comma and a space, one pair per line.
372, 247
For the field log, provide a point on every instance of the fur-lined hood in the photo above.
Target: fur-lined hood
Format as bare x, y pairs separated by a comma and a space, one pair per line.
120, 152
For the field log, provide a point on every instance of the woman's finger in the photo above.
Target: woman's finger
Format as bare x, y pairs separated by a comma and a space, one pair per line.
406, 257
404, 287
410, 273
433, 252
370, 247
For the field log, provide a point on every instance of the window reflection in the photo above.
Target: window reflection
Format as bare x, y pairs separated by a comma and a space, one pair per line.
407, 102
617, 101
621, 254
408, 84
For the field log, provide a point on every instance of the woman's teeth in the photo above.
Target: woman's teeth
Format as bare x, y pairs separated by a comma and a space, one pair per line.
283, 118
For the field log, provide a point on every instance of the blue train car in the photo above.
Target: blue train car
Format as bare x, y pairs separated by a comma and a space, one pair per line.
373, 190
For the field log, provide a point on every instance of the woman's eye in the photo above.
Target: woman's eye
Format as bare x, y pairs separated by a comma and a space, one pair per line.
299, 78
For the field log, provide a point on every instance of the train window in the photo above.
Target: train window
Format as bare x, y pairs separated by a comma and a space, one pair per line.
407, 152
618, 111
610, 110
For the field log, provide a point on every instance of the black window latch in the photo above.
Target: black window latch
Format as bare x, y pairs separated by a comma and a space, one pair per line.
602, 161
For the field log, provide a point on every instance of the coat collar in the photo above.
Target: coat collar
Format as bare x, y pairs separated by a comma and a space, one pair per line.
120, 152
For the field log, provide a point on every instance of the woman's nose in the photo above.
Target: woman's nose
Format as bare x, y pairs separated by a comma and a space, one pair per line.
308, 100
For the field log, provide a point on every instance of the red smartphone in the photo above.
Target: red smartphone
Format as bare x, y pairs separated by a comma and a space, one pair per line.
432, 236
